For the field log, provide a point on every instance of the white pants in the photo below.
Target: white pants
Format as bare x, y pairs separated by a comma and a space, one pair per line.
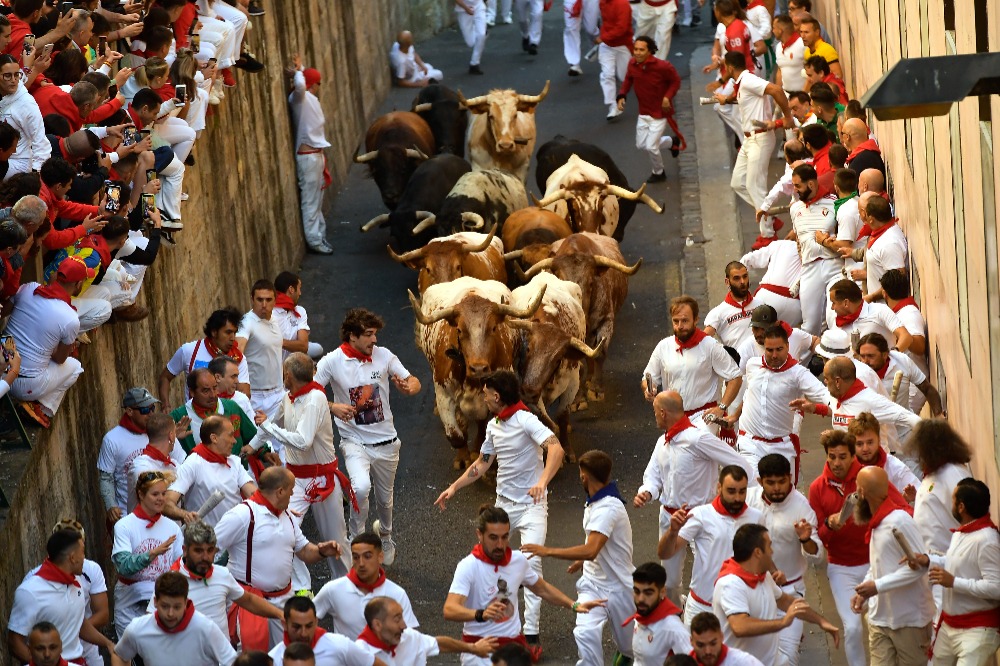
529, 16
675, 565
199, 108
658, 23
420, 75
268, 402
749, 179
754, 449
614, 62
692, 607
178, 134
590, 12
239, 21
370, 466
473, 29
92, 311
91, 654
222, 36
789, 309
309, 169
125, 613
589, 630
685, 11
813, 295
49, 387
491, 10
329, 517
530, 523
315, 351
843, 580
965, 647
136, 270
648, 132
790, 638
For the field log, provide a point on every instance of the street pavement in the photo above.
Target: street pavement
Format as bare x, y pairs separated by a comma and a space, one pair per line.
681, 254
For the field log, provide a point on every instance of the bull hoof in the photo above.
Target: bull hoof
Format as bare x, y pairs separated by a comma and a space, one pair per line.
579, 406
462, 460
595, 395
570, 456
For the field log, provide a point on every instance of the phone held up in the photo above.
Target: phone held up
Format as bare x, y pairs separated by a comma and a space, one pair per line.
181, 93
7, 344
102, 46
114, 196
148, 205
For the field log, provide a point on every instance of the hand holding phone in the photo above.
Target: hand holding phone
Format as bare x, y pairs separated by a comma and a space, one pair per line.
102, 46
65, 8
29, 43
114, 197
181, 93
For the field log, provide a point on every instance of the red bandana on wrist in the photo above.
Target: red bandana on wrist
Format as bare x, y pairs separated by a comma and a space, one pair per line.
742, 305
285, 302
158, 455
510, 410
978, 524
351, 352
56, 292
664, 609
141, 513
903, 303
691, 342
368, 636
731, 566
480, 554
233, 353
723, 511
210, 455
315, 639
311, 386
876, 234
176, 566
126, 422
50, 572
888, 506
263, 501
352, 576
844, 320
182, 625
682, 424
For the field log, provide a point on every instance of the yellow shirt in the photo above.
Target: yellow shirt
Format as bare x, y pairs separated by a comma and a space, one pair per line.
822, 48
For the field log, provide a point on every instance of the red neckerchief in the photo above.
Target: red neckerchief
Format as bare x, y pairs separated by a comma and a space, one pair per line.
731, 566
691, 342
795, 38
842, 485
875, 234
233, 353
315, 639
285, 302
130, 425
62, 662
683, 423
351, 352
737, 304
158, 455
182, 625
887, 507
227, 396
978, 524
885, 368
210, 455
263, 501
510, 410
820, 192
50, 572
856, 388
664, 609
722, 511
880, 460
141, 513
844, 320
789, 362
479, 554
205, 413
368, 636
311, 386
176, 566
865, 230
903, 303
56, 292
723, 653
867, 145
352, 576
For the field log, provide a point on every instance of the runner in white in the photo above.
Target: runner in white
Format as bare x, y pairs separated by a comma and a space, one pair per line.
579, 14
836, 343
730, 319
345, 598
227, 379
517, 439
656, 18
868, 450
359, 373
658, 630
896, 291
260, 338
158, 455
292, 317
812, 212
800, 343
851, 314
943, 456
708, 647
682, 471
783, 265
330, 649
887, 363
606, 560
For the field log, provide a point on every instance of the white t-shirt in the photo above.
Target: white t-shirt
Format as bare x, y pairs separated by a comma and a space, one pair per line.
198, 478
181, 363
900, 362
732, 596
92, 581
791, 61
413, 650
754, 103
731, 320
781, 261
848, 226
779, 519
652, 642
888, 252
799, 348
695, 373
904, 598
331, 650
974, 559
201, 643
711, 535
345, 603
888, 413
874, 318
38, 325
211, 596
37, 599
273, 544
932, 508
766, 413
807, 219
517, 443
290, 324
612, 568
143, 463
307, 115
364, 386
478, 582
119, 448
133, 536
262, 351
913, 322
404, 63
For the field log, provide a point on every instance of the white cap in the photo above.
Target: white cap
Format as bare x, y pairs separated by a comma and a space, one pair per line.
835, 342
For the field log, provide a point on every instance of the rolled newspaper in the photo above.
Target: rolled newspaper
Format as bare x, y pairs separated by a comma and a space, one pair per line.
904, 544
213, 501
896, 381
707, 101
847, 510
650, 386
759, 124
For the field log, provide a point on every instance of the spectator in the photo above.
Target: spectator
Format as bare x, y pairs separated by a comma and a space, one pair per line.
310, 162
838, 156
81, 32
817, 70
57, 177
810, 30
227, 377
408, 69
292, 317
82, 104
12, 238
27, 13
231, 52
789, 55
9, 139
824, 102
19, 110
864, 152
155, 75
144, 110
185, 71
817, 140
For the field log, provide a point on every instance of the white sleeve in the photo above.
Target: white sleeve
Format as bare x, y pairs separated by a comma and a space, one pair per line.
714, 319
244, 371
305, 430
177, 363
324, 602
41, 149
652, 479
121, 544
463, 580
692, 528
324, 376
185, 479
219, 646
245, 329
602, 520
396, 368
887, 411
106, 456
300, 84
654, 367
355, 655
22, 615
232, 527
988, 586
731, 598
783, 186
848, 224
889, 319
127, 649
759, 259
723, 364
408, 615
537, 431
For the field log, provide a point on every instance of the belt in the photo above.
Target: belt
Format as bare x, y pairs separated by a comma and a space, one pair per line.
777, 289
707, 405
501, 640
701, 601
309, 152
126, 581
657, 3
670, 509
330, 473
769, 440
793, 581
266, 390
268, 595
760, 131
382, 443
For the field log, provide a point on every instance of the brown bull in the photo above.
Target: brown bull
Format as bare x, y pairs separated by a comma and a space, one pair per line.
465, 253
396, 144
502, 135
528, 233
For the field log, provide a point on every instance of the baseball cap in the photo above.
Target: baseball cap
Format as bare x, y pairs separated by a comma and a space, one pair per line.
138, 397
835, 342
762, 316
312, 77
72, 269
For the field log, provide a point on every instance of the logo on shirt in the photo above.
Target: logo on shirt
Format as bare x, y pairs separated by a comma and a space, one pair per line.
376, 375
842, 420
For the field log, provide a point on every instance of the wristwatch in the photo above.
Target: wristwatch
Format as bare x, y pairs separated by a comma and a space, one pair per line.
479, 615
724, 407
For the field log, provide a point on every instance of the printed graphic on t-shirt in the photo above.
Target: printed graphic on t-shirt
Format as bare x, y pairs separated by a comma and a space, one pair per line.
502, 594
367, 401
158, 566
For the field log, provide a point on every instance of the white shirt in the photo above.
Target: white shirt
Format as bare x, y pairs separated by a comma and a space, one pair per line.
331, 650
201, 643
766, 413
799, 348
404, 63
779, 519
888, 252
888, 414
754, 103
932, 508
143, 463
345, 603
413, 649
612, 568
780, 260
133, 536
904, 595
307, 434
899, 474
92, 581
732, 596
20, 111
791, 61
263, 351
900, 362
737, 657
275, 540
119, 448
478, 582
731, 320
198, 478
874, 318
686, 470
307, 115
38, 325
182, 362
848, 226
913, 322
807, 219
517, 444
695, 373
711, 534
365, 386
654, 641
37, 599
211, 596
290, 324
974, 559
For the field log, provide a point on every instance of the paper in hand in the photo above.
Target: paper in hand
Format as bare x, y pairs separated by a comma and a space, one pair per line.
213, 501
904, 544
847, 510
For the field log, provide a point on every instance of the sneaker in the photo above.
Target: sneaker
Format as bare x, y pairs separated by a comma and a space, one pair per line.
167, 237
170, 225
388, 545
532, 49
507, 20
327, 246
696, 19
254, 8
474, 69
613, 113
228, 79
185, 196
534, 647
489, 24
321, 248
657, 177
134, 312
575, 70
675, 149
308, 594
34, 410
249, 64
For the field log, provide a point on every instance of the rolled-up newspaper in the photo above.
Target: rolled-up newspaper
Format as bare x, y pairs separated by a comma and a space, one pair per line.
904, 544
896, 381
759, 124
213, 501
707, 101
847, 510
650, 387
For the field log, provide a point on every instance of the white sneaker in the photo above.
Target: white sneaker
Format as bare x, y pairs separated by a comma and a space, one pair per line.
613, 112
575, 70
388, 545
507, 20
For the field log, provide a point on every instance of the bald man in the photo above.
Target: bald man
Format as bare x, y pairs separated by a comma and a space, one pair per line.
863, 151
682, 471
872, 180
408, 70
900, 605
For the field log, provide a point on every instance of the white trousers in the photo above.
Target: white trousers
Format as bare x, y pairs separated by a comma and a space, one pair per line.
789, 309
730, 115
648, 132
268, 402
658, 23
754, 449
530, 523
92, 311
813, 295
491, 10
91, 654
843, 580
685, 11
49, 387
371, 466
168, 201
420, 75
692, 607
614, 62
239, 22
675, 565
329, 517
222, 36
965, 647
749, 179
473, 29
125, 613
309, 169
529, 16
590, 12
178, 134
589, 630
199, 108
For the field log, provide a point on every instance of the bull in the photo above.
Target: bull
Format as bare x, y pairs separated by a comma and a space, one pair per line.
528, 233
502, 134
462, 327
479, 200
440, 107
396, 144
463, 254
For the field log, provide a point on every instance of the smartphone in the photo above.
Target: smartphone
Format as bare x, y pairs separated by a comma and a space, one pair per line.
102, 46
144, 134
195, 42
114, 196
7, 344
29, 43
213, 61
148, 205
181, 92
130, 135
150, 175
47, 51
65, 8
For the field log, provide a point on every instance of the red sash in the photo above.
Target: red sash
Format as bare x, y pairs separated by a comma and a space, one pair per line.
331, 474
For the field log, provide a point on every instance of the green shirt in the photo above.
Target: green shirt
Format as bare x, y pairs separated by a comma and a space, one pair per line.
242, 424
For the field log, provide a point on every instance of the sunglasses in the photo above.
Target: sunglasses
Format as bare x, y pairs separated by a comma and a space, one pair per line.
145, 411
147, 477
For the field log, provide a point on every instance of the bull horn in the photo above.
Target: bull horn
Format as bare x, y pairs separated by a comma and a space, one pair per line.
511, 256
475, 219
485, 244
520, 323
622, 193
470, 102
424, 319
528, 312
611, 263
375, 221
415, 153
585, 349
367, 157
542, 265
648, 200
406, 256
420, 108
535, 99
425, 223
558, 195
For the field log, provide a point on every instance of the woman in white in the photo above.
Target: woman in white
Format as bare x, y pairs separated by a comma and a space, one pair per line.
185, 70
170, 124
145, 545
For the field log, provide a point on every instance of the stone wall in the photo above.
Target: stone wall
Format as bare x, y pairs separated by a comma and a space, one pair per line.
241, 223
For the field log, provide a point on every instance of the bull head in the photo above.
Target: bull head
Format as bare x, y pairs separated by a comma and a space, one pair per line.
423, 107
528, 102
413, 255
546, 264
503, 309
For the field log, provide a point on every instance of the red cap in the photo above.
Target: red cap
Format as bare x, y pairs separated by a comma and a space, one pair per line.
72, 269
312, 77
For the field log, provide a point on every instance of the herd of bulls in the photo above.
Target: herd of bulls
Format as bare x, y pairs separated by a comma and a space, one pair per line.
537, 294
